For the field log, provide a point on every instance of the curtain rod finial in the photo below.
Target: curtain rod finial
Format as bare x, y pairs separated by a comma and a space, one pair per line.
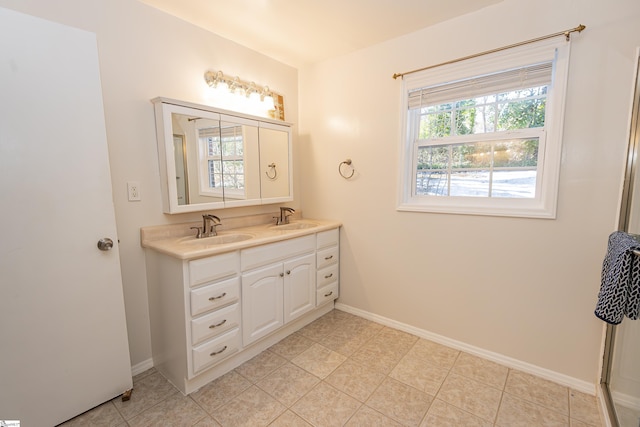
579, 28
396, 75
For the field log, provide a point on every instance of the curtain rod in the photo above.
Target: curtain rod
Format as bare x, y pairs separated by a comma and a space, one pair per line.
566, 33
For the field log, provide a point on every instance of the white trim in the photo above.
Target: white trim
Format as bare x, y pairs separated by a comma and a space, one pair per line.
602, 408
556, 377
626, 400
139, 368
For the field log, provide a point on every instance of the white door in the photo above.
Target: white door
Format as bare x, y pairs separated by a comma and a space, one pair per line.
63, 335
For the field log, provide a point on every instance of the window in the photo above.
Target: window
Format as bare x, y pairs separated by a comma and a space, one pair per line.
232, 142
222, 161
211, 158
483, 136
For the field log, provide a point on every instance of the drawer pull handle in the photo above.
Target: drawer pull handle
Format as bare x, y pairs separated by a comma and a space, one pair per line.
288, 271
218, 297
219, 324
328, 276
329, 294
327, 258
215, 353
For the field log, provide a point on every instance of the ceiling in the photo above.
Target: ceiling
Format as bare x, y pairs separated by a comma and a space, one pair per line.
299, 32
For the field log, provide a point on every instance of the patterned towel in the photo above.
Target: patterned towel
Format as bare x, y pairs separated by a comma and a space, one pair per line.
620, 287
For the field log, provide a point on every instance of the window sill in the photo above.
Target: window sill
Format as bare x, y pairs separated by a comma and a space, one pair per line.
528, 209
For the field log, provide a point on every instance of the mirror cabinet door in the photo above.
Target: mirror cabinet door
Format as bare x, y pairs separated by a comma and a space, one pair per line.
210, 160
201, 164
182, 179
275, 157
206, 161
240, 161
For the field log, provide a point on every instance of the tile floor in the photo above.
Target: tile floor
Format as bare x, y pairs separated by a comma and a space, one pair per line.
343, 370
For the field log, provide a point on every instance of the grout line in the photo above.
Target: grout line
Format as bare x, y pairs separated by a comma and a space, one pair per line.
330, 327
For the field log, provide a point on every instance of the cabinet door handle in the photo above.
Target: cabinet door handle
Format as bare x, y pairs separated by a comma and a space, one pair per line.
218, 297
288, 271
219, 324
328, 276
281, 274
218, 352
327, 258
329, 294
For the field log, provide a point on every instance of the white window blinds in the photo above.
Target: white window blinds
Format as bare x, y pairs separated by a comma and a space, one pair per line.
519, 78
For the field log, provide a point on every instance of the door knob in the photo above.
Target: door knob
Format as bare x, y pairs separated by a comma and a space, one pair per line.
105, 244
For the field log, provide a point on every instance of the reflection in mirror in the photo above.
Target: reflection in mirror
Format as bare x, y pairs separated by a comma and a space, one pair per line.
209, 160
274, 163
240, 161
203, 165
182, 182
212, 159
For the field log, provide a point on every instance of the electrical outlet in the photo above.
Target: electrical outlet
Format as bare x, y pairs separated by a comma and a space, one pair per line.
133, 191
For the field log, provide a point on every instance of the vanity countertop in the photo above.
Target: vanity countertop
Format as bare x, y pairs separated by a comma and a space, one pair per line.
178, 240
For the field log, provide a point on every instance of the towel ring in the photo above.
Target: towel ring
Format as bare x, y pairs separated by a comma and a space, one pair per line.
348, 163
272, 167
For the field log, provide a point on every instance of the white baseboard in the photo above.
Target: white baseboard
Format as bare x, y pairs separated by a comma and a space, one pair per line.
139, 368
626, 400
565, 380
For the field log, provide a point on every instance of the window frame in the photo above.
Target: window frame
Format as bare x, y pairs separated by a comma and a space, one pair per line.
544, 204
204, 188
204, 158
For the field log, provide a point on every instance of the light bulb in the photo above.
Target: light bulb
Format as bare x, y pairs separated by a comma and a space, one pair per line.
268, 103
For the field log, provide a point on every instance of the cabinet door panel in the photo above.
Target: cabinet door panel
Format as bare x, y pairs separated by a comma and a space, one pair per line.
261, 302
299, 286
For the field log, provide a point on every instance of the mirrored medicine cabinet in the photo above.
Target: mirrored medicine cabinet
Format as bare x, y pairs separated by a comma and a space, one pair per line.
213, 159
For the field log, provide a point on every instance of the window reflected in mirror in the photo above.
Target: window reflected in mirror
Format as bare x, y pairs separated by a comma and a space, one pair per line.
212, 160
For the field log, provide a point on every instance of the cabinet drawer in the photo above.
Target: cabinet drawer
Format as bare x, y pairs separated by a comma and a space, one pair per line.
215, 350
213, 268
213, 296
327, 275
212, 324
327, 256
328, 238
328, 293
266, 254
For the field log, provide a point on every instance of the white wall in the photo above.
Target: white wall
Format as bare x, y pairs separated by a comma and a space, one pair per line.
523, 288
143, 54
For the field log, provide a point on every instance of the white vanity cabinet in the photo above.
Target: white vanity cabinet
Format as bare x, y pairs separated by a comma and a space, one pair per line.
328, 263
278, 285
195, 312
212, 313
215, 317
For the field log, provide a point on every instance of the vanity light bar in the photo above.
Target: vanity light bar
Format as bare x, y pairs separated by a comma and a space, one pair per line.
236, 86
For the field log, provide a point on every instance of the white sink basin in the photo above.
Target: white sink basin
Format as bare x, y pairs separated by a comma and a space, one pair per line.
295, 226
220, 239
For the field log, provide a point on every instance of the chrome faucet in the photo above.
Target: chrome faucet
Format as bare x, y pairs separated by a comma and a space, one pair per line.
285, 213
209, 224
